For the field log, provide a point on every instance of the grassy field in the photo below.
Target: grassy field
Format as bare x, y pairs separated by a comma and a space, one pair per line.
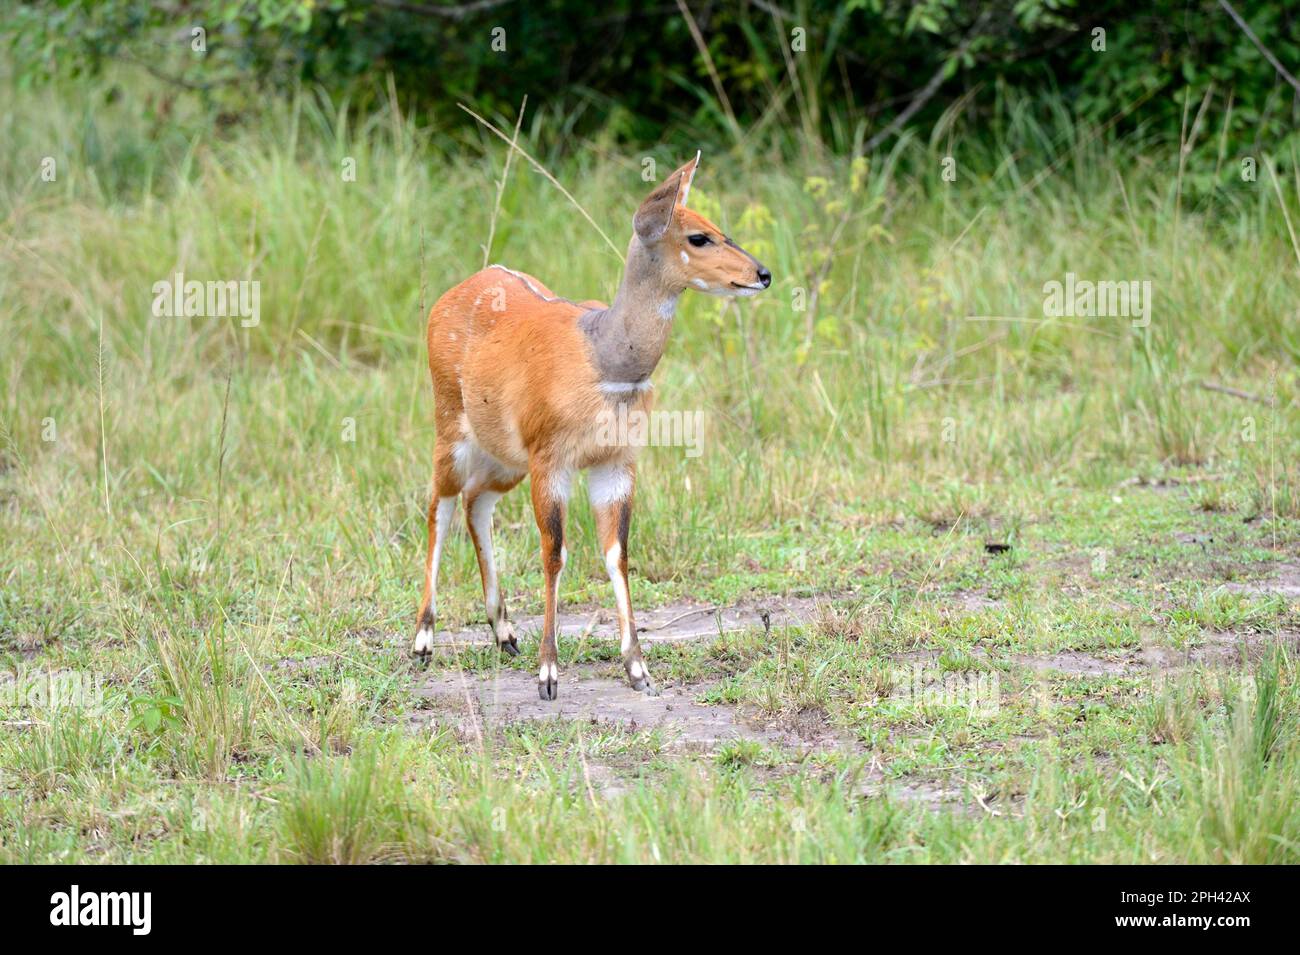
215, 532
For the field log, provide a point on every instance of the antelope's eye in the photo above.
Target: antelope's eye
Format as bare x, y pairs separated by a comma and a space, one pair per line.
699, 239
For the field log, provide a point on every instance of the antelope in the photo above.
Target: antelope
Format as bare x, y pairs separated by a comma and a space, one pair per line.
521, 378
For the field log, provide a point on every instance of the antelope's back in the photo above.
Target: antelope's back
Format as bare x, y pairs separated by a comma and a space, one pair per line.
506, 349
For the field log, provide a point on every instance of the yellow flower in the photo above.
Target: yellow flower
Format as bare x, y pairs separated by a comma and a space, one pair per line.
858, 174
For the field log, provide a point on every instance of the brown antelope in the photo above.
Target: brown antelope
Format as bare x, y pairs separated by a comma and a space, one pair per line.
521, 378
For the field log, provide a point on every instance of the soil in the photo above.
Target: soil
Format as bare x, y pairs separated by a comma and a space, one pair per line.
476, 702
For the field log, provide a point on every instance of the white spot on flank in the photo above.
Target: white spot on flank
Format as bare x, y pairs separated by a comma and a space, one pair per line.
474, 465
462, 457
608, 484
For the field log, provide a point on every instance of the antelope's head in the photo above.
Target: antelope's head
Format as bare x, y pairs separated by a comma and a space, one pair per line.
689, 250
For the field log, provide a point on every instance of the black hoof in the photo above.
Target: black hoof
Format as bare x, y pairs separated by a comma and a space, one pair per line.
548, 690
510, 648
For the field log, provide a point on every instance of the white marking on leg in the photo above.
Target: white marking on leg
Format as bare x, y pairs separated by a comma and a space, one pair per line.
441, 527
621, 596
555, 588
480, 518
424, 639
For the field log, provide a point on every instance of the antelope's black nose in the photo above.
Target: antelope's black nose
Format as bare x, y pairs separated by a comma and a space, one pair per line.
764, 276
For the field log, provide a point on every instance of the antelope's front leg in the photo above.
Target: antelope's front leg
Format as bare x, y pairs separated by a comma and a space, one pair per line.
611, 487
550, 487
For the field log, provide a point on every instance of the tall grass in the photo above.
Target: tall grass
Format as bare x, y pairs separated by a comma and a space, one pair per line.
927, 356
1237, 775
195, 504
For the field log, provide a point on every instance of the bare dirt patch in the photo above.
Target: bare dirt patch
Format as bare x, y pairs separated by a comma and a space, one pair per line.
1283, 582
669, 624
1214, 649
690, 620
479, 702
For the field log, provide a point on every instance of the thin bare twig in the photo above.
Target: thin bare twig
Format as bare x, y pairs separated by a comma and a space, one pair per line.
545, 172
1281, 203
221, 446
928, 90
1282, 70
457, 11
103, 433
501, 186
1235, 393
681, 616
708, 64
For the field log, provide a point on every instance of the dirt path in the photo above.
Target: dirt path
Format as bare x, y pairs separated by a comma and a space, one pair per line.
669, 624
1283, 582
476, 702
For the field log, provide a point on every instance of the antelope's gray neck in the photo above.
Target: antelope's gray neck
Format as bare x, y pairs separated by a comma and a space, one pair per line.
628, 338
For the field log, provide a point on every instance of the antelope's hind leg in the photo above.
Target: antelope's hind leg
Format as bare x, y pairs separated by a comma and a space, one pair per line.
442, 508
479, 505
611, 488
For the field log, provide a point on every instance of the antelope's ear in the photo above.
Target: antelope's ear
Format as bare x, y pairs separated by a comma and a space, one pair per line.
656, 213
687, 172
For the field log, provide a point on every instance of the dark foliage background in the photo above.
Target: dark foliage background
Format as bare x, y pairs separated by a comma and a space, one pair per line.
837, 72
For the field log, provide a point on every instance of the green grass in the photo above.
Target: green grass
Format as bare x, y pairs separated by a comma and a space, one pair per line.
225, 526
